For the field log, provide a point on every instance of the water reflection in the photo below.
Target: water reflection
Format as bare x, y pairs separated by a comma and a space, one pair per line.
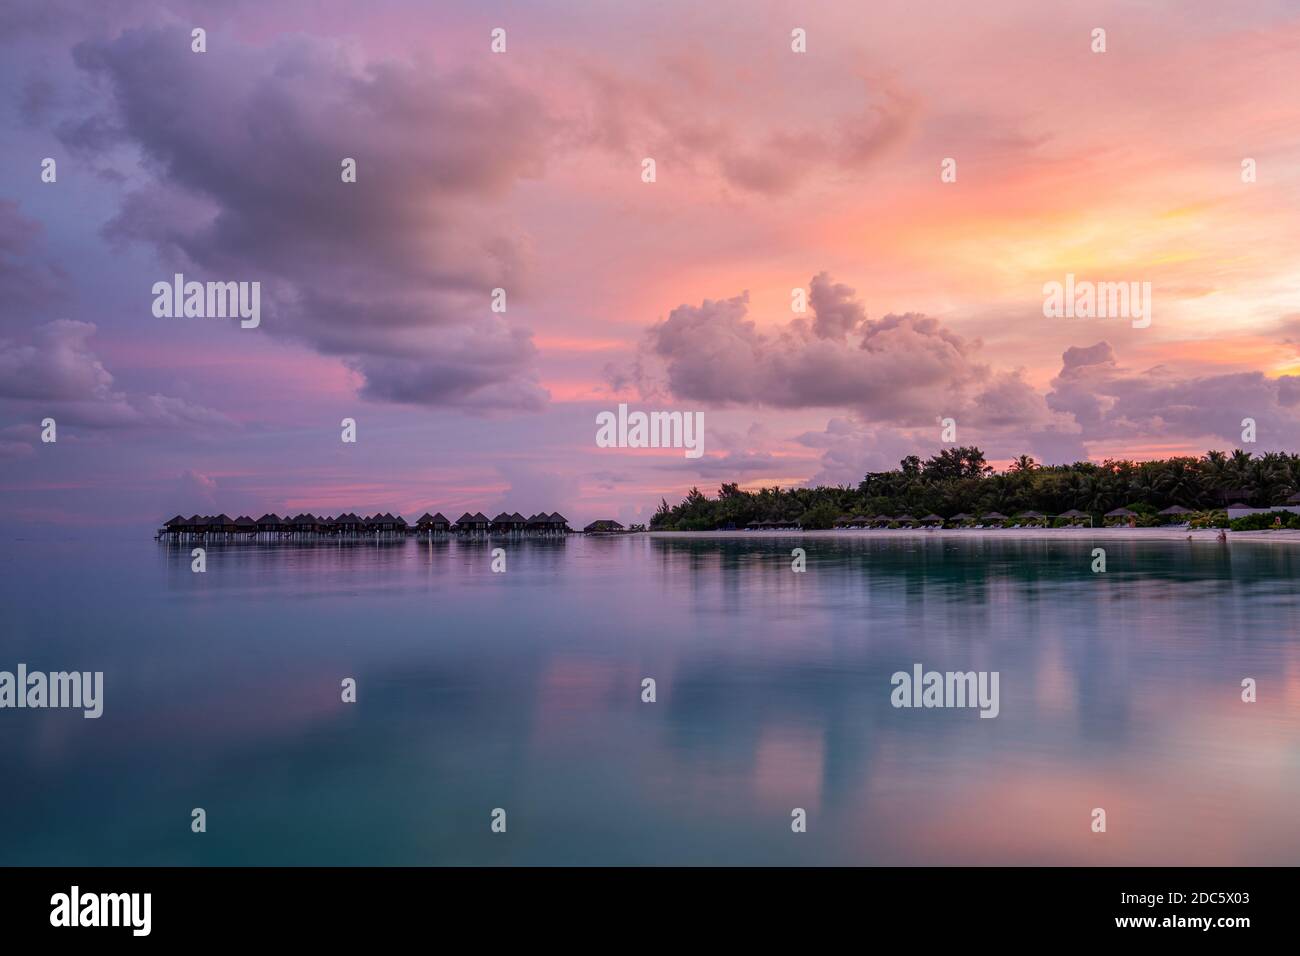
522, 690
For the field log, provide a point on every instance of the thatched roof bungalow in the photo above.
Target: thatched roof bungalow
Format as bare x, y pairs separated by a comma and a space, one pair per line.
269, 524
472, 523
435, 524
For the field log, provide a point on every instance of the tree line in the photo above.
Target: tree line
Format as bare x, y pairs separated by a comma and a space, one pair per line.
960, 480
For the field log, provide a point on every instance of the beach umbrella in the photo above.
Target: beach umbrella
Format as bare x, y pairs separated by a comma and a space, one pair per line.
994, 516
1073, 513
1121, 513
931, 518
1176, 510
960, 516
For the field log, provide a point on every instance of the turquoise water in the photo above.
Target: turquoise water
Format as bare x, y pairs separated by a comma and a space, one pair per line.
522, 691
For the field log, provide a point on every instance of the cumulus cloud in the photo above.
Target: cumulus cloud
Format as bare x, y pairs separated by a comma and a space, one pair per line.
893, 378
900, 368
57, 365
28, 283
1111, 402
851, 448
394, 272
56, 373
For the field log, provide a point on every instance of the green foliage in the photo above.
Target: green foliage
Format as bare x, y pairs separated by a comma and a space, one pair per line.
819, 516
960, 480
1209, 519
1261, 521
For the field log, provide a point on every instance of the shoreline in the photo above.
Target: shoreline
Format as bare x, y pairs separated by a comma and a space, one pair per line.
1284, 536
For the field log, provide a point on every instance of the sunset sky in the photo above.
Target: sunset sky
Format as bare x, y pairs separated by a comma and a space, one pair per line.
523, 170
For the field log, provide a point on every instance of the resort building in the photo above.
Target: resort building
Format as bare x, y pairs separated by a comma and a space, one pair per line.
432, 524
349, 525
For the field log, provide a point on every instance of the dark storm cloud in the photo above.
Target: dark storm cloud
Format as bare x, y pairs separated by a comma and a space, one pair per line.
244, 147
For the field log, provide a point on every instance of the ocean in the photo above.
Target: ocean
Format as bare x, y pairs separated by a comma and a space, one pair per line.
518, 697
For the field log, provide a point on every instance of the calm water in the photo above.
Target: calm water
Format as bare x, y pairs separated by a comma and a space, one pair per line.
522, 691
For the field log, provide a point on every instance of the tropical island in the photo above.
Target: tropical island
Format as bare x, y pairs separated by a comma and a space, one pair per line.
958, 488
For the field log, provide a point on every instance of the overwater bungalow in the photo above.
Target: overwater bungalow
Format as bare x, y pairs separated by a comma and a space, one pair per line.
603, 526
269, 524
350, 525
476, 523
432, 524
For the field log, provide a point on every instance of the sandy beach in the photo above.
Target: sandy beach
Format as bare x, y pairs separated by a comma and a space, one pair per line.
1211, 535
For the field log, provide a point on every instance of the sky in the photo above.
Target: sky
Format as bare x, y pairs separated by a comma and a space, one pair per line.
774, 171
